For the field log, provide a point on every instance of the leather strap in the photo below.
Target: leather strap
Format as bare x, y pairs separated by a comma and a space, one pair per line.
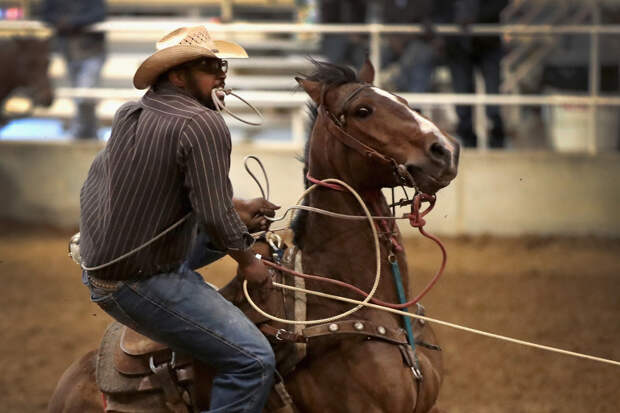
350, 141
163, 374
288, 406
342, 120
280, 334
358, 327
184, 375
408, 354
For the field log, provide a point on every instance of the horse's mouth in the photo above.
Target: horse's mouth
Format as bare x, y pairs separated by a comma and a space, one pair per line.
426, 182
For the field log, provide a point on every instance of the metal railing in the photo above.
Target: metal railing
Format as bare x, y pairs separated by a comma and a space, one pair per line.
127, 29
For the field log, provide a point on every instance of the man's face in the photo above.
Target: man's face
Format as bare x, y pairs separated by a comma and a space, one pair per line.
203, 76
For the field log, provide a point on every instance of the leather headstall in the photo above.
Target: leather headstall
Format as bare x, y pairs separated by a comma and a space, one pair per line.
335, 127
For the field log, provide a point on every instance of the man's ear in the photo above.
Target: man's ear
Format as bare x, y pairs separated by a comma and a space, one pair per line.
313, 89
177, 78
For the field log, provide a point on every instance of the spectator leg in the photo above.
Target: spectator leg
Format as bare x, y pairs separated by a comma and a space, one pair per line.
86, 75
462, 71
490, 68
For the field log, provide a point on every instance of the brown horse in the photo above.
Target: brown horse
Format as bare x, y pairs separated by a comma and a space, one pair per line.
344, 372
25, 68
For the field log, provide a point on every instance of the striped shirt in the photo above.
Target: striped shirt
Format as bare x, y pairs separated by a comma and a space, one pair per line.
168, 155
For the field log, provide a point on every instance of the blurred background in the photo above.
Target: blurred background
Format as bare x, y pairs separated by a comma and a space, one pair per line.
532, 222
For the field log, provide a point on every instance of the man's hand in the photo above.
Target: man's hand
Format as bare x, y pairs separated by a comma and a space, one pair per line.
254, 271
257, 274
253, 212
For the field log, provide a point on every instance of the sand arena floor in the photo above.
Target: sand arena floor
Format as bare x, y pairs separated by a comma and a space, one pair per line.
557, 292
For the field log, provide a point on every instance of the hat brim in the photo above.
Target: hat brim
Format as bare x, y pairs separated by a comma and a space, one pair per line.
169, 57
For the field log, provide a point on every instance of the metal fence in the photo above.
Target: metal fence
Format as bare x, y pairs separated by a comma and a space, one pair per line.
153, 28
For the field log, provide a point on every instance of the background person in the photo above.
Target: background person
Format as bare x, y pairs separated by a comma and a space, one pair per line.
410, 58
84, 52
344, 49
464, 54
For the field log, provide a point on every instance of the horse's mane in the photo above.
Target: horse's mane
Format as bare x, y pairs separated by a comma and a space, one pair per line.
329, 74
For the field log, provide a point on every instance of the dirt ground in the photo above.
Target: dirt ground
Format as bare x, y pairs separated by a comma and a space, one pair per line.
557, 292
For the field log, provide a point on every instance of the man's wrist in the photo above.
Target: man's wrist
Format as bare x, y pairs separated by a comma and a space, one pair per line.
243, 258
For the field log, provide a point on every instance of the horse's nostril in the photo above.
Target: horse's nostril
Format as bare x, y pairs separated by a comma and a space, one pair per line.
438, 150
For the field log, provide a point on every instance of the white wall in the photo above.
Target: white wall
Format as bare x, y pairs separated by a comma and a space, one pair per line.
498, 192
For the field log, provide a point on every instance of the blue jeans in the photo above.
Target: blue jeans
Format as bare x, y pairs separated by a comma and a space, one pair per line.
85, 73
416, 65
463, 59
84, 57
178, 308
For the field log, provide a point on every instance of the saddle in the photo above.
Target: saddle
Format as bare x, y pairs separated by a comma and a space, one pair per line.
137, 374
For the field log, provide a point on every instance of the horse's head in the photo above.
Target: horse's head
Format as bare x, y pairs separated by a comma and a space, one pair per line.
384, 124
31, 69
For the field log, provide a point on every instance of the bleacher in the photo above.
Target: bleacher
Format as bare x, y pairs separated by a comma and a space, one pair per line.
266, 79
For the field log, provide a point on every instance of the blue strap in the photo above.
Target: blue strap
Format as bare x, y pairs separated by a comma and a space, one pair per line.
402, 299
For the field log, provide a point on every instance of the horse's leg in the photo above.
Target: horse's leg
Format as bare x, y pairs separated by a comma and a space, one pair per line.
431, 364
428, 389
356, 376
76, 391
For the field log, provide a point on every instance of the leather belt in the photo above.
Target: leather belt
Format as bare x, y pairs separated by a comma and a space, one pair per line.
103, 284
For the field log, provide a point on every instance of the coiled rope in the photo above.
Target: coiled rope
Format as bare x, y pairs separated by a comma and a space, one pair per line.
361, 304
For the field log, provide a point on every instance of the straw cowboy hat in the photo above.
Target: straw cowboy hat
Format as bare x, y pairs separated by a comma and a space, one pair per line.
180, 46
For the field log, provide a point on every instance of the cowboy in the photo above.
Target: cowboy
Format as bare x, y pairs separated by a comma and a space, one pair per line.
163, 176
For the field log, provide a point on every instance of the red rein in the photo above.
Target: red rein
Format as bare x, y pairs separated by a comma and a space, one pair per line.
416, 219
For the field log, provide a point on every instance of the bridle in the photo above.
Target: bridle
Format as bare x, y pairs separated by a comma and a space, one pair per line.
337, 122
335, 127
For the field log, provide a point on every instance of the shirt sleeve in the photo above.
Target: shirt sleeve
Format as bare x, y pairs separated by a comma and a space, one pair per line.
205, 156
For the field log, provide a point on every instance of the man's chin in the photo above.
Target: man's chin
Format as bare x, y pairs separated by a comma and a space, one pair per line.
209, 104
206, 102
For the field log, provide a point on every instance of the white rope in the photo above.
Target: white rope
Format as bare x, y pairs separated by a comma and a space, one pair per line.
444, 323
138, 248
219, 105
264, 193
377, 274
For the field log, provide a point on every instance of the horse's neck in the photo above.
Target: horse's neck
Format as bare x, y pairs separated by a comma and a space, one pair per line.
345, 250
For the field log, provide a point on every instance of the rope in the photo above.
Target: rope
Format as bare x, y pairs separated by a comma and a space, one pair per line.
219, 105
138, 248
260, 164
377, 273
443, 323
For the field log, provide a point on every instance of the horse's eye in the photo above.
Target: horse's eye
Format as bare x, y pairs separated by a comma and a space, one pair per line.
363, 112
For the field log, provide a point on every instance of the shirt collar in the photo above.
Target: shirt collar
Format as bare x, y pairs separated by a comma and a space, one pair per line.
166, 88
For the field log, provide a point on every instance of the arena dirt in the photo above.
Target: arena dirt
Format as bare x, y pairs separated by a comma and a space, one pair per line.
557, 292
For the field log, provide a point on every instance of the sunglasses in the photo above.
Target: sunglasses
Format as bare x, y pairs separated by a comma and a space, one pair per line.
211, 66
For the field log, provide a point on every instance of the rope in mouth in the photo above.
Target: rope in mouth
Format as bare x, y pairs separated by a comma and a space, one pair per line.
220, 107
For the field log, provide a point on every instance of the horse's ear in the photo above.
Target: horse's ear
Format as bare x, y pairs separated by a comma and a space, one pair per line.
313, 89
367, 72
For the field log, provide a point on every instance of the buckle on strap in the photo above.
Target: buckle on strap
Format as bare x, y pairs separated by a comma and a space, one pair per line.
171, 364
279, 334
